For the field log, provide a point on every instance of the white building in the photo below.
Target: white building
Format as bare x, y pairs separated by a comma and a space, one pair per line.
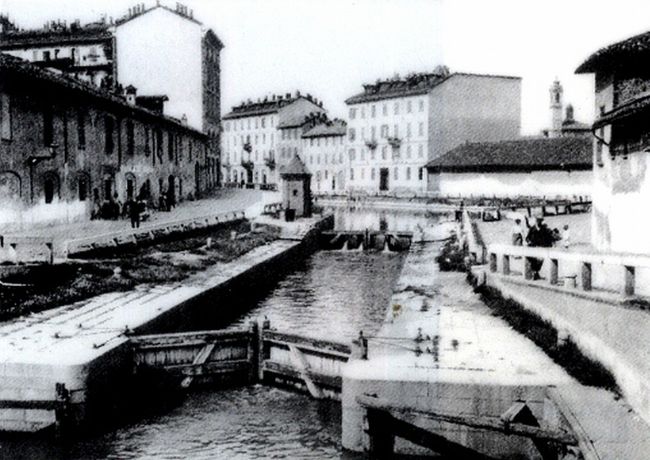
323, 154
397, 125
260, 137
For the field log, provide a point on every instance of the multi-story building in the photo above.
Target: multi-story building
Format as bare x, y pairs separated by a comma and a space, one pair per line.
260, 137
165, 53
85, 52
324, 154
621, 185
398, 125
66, 146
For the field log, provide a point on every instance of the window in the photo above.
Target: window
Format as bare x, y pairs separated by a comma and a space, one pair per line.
409, 107
421, 105
396, 131
81, 128
373, 133
147, 150
408, 151
384, 131
383, 152
408, 173
263, 122
5, 113
48, 189
420, 173
420, 151
109, 142
159, 143
384, 109
395, 173
373, 110
170, 146
351, 134
353, 113
351, 173
129, 137
363, 112
421, 129
352, 154
408, 130
82, 185
48, 128
46, 55
372, 173
396, 108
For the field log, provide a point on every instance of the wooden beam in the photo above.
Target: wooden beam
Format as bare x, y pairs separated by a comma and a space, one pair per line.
474, 421
301, 364
199, 359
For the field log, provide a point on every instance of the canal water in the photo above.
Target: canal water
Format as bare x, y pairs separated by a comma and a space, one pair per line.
331, 294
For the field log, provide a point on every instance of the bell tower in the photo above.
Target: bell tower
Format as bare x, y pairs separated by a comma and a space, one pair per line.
556, 109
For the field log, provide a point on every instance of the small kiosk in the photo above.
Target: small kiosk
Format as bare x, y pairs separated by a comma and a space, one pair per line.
296, 191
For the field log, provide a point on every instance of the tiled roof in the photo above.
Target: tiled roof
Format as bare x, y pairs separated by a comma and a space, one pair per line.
252, 109
328, 128
23, 69
517, 155
614, 55
638, 105
295, 168
90, 33
412, 85
144, 11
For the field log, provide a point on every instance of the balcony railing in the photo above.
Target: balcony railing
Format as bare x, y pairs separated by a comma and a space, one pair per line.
248, 147
371, 144
270, 163
395, 142
247, 165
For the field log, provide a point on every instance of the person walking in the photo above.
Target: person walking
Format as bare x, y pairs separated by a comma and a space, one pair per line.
566, 237
133, 208
517, 233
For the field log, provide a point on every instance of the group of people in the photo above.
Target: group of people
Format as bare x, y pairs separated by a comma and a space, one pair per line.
113, 209
539, 235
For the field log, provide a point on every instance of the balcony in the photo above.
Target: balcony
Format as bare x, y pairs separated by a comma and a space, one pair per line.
394, 142
248, 147
270, 163
371, 144
247, 165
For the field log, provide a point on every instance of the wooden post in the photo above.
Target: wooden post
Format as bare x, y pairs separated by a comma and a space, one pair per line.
261, 349
586, 276
553, 275
506, 264
50, 253
528, 268
252, 351
62, 410
380, 432
630, 280
493, 262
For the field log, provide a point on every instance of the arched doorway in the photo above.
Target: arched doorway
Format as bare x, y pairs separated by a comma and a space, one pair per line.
130, 185
83, 186
50, 187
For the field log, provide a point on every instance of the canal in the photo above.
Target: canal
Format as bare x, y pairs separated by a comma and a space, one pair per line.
330, 294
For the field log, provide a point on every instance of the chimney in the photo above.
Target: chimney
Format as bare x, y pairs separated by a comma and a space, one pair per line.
130, 92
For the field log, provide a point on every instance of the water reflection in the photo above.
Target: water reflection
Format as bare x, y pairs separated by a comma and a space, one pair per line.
360, 218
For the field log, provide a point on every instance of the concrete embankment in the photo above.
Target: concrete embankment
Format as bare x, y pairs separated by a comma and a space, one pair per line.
441, 351
85, 345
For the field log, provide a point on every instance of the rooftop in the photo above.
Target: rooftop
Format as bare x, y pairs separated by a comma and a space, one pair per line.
516, 155
617, 54
295, 168
268, 105
411, 85
56, 32
327, 128
24, 69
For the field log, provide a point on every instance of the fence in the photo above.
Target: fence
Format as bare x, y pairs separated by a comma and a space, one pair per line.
625, 274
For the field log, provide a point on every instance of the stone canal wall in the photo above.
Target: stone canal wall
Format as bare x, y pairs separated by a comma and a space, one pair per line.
85, 346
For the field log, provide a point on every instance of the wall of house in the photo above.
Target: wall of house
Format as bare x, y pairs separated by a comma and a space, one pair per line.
404, 118
160, 52
473, 108
324, 157
549, 184
59, 180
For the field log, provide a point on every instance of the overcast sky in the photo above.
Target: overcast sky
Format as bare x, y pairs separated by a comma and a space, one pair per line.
331, 47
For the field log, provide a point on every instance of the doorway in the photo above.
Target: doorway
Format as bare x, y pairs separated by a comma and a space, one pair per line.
383, 179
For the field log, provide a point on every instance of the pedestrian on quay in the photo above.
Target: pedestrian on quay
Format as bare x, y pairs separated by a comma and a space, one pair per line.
517, 233
539, 235
133, 208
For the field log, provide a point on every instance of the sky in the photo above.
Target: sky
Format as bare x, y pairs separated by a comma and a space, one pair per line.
329, 48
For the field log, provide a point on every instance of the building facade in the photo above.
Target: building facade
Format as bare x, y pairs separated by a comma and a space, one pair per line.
324, 155
162, 52
397, 126
621, 148
261, 137
66, 146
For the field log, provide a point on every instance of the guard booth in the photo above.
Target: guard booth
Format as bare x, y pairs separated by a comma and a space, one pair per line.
296, 191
